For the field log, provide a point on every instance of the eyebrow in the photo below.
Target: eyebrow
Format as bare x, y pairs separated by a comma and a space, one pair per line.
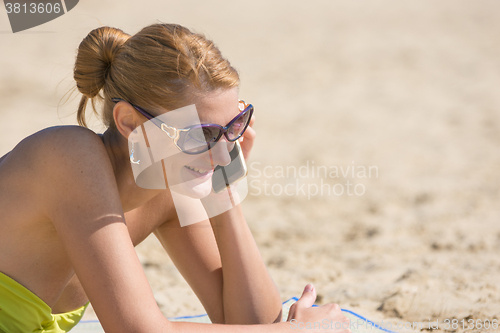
212, 122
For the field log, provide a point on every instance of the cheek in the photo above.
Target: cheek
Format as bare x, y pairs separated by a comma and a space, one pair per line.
177, 163
179, 160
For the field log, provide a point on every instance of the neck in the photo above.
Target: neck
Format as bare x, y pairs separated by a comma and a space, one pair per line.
131, 195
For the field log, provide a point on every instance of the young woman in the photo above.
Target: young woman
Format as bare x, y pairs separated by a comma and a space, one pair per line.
71, 211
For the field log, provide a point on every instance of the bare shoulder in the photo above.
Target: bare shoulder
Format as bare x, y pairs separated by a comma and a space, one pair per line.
62, 149
54, 152
72, 147
64, 141
73, 160
40, 148
62, 162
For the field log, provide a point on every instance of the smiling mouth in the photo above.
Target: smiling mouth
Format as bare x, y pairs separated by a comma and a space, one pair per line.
198, 170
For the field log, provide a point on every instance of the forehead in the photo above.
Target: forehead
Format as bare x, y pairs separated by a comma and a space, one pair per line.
218, 107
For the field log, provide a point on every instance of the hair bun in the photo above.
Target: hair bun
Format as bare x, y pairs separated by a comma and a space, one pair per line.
94, 58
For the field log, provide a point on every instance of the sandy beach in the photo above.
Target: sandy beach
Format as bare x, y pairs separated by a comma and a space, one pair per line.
376, 170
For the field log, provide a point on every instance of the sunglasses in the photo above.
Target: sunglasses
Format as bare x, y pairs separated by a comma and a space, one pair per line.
199, 138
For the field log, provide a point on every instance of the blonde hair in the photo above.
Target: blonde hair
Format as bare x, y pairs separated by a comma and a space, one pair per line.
159, 67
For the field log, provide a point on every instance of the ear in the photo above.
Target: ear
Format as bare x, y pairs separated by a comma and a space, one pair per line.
126, 118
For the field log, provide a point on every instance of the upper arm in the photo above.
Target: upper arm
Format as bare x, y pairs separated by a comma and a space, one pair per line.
83, 203
194, 252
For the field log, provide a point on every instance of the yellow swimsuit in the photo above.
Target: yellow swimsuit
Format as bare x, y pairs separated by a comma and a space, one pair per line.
21, 311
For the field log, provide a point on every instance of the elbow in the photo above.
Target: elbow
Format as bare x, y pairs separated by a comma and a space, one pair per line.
271, 313
168, 327
272, 317
164, 326
279, 318
217, 319
279, 311
159, 324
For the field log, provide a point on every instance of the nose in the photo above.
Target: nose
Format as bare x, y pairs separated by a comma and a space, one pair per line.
220, 152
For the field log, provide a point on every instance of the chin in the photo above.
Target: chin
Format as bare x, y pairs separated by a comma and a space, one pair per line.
194, 189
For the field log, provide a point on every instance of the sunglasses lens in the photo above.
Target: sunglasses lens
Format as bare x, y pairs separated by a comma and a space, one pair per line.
199, 139
239, 126
210, 133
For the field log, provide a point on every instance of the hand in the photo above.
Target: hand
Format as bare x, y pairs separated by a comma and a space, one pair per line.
248, 138
329, 316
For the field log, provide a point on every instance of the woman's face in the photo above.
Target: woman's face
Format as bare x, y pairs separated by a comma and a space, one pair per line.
191, 175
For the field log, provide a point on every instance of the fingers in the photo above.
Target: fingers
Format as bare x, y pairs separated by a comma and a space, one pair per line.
305, 301
332, 307
302, 311
340, 320
250, 135
248, 141
252, 121
308, 297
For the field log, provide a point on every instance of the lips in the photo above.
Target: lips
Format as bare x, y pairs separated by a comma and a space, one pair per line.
198, 173
199, 170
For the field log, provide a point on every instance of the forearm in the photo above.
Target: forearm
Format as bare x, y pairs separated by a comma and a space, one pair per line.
249, 293
184, 327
